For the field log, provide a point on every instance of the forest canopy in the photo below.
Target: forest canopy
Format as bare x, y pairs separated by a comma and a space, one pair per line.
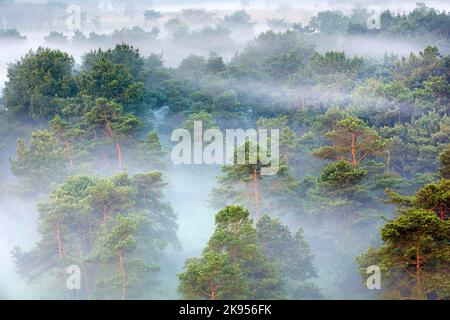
362, 181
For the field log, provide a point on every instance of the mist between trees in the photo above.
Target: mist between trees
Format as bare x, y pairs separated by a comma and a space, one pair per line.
360, 144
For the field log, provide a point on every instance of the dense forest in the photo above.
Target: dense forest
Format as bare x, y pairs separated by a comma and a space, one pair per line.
363, 179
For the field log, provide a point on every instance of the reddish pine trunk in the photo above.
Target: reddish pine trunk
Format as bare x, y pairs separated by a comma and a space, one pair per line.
122, 276
118, 146
119, 152
354, 161
58, 241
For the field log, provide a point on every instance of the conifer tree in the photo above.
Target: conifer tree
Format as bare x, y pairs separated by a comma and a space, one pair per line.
232, 265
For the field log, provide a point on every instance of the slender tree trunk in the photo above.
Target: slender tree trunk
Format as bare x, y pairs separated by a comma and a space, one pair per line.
213, 290
419, 294
442, 213
234, 251
354, 161
84, 269
388, 161
118, 145
61, 257
256, 190
69, 152
59, 241
123, 291
119, 153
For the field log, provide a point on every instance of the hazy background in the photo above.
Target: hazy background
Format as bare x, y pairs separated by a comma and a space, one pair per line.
187, 188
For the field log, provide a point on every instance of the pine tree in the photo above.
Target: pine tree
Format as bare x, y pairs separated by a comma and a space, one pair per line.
114, 229
444, 170
352, 141
292, 254
39, 163
108, 117
151, 153
414, 257
232, 265
245, 185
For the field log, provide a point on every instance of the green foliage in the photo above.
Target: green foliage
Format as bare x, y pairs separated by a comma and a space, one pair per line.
444, 158
414, 257
55, 38
378, 124
292, 253
11, 34
341, 174
238, 19
39, 163
37, 81
243, 183
115, 75
352, 141
114, 229
232, 265
330, 22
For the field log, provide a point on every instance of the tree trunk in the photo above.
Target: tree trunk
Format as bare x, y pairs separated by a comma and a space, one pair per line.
119, 153
256, 190
442, 213
354, 161
388, 161
234, 251
69, 152
419, 294
118, 146
213, 290
123, 291
58, 240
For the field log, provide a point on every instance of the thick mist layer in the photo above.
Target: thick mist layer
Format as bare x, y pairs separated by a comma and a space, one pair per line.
272, 65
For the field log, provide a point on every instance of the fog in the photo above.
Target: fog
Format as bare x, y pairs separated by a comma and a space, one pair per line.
189, 187
18, 220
